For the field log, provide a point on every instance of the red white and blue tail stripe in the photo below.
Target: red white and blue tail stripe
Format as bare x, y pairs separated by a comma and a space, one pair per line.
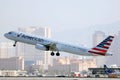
103, 47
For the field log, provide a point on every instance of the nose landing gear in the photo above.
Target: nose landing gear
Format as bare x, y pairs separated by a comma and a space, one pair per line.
15, 43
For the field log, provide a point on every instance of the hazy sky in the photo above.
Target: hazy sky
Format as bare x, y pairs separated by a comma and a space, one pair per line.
69, 20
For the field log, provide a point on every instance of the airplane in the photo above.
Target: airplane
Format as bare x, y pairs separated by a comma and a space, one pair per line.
111, 71
46, 44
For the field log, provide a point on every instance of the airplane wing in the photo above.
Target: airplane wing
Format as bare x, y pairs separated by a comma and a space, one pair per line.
51, 46
47, 47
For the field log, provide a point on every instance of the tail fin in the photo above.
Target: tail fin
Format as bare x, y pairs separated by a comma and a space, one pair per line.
105, 66
103, 47
107, 70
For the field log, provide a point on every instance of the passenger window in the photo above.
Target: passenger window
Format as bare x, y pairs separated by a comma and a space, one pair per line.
18, 35
10, 33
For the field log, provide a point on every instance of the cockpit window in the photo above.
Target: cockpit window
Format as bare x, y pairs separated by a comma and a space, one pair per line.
10, 33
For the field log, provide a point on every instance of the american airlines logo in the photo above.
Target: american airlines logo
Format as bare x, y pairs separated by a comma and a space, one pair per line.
32, 38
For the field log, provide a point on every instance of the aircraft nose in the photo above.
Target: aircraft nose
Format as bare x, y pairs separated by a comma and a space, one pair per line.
6, 35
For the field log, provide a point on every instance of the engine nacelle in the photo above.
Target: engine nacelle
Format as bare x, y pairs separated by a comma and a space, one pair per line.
41, 47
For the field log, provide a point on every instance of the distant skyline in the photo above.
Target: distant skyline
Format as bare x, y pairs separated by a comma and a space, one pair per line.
71, 21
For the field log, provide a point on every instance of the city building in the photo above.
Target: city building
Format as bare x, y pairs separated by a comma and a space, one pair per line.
98, 36
30, 53
8, 73
66, 65
7, 50
37, 68
11, 73
13, 63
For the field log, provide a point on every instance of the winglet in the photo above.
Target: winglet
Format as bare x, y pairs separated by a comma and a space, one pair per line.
103, 47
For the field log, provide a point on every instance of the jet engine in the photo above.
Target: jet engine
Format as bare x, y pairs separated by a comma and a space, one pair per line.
41, 47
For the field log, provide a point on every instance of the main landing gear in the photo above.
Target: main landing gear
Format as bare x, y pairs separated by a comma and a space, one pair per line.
15, 43
57, 54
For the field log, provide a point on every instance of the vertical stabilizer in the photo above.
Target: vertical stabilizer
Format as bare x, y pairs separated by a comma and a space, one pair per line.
103, 47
